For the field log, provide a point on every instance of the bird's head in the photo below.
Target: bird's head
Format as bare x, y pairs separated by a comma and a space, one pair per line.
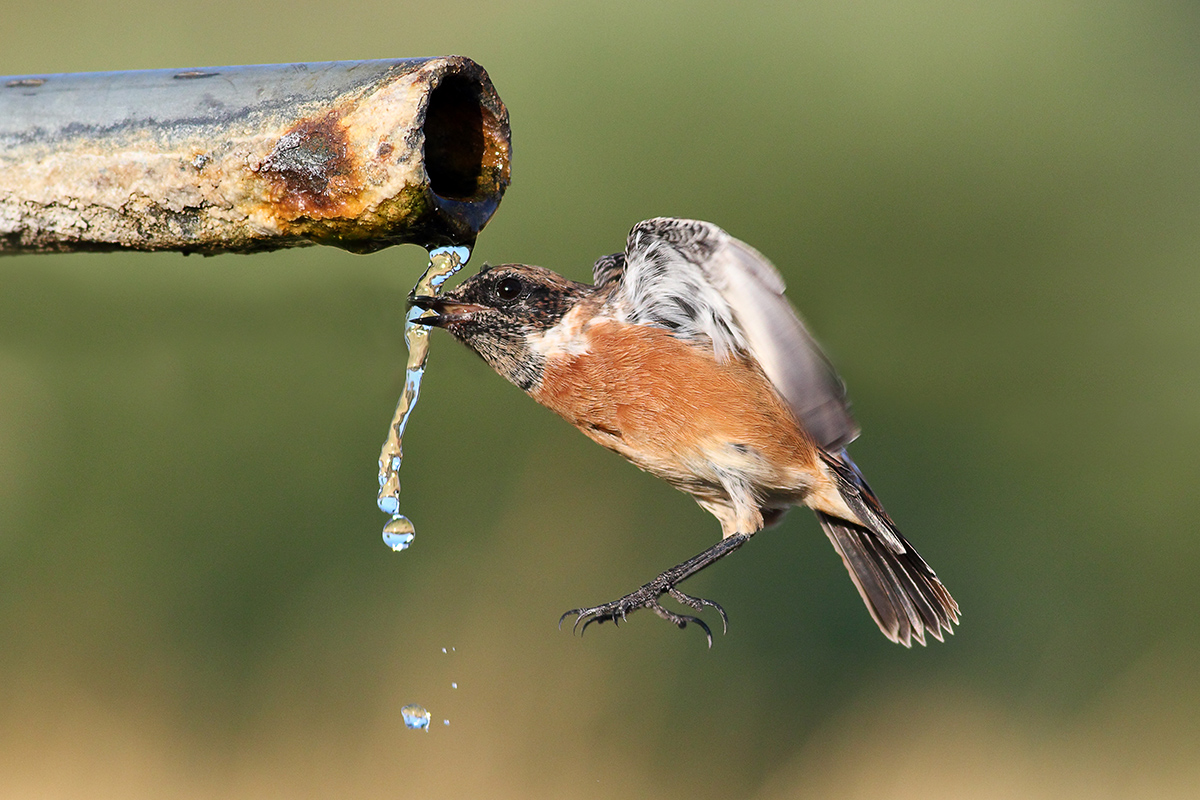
501, 311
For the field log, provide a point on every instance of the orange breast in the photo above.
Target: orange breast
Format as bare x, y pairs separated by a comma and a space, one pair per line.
669, 406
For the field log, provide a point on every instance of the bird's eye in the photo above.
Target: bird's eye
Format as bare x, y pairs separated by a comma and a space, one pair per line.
508, 289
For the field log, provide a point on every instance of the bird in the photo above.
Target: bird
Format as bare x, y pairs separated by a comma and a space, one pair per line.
685, 357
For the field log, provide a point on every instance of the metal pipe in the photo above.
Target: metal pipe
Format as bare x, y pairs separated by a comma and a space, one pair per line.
356, 154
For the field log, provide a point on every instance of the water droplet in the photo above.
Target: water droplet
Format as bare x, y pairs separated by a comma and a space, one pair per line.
453, 685
415, 717
445, 722
399, 533
443, 649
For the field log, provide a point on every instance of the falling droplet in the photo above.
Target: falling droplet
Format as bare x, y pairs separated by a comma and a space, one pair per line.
443, 262
399, 533
445, 722
453, 685
415, 717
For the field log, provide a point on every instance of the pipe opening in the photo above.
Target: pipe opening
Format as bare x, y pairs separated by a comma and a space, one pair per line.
456, 139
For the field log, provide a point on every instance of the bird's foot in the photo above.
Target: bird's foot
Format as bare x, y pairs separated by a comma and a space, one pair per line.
648, 597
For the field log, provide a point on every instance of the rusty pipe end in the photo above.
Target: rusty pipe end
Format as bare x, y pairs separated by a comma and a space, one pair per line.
321, 177
468, 149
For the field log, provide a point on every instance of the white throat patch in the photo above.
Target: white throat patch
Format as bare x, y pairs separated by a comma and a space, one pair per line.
565, 337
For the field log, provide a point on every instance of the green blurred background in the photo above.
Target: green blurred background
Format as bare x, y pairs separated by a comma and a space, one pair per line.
988, 213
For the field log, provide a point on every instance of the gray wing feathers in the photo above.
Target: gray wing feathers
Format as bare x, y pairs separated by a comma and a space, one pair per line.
671, 270
667, 283
784, 348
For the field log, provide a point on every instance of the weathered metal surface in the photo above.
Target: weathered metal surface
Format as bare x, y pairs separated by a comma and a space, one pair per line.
360, 155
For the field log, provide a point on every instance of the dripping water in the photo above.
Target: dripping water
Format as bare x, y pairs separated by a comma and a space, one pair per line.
416, 717
399, 532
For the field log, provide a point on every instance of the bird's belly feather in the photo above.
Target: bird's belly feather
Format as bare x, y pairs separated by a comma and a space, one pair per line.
673, 410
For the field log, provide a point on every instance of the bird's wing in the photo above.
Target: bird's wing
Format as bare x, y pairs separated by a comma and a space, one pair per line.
701, 283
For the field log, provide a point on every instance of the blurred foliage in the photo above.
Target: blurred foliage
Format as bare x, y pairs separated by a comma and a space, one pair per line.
987, 213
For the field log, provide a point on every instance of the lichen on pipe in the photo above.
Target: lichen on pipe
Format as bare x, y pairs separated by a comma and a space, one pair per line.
356, 154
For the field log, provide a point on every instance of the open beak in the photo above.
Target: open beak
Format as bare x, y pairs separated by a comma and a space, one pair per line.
446, 311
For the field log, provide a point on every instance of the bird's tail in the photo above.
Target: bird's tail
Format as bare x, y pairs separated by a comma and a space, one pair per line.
902, 593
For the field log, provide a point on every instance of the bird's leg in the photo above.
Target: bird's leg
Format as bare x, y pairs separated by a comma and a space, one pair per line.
647, 596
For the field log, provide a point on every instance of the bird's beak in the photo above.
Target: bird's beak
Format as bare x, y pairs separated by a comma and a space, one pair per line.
446, 311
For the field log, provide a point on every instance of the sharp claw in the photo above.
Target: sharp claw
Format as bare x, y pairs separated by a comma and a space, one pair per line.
583, 630
698, 603
681, 621
724, 616
707, 631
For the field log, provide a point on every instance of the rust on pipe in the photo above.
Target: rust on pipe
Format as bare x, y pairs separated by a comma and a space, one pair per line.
356, 154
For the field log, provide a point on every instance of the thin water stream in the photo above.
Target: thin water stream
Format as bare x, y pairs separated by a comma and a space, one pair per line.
399, 532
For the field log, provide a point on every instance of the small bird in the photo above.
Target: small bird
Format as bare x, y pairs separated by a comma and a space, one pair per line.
686, 358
